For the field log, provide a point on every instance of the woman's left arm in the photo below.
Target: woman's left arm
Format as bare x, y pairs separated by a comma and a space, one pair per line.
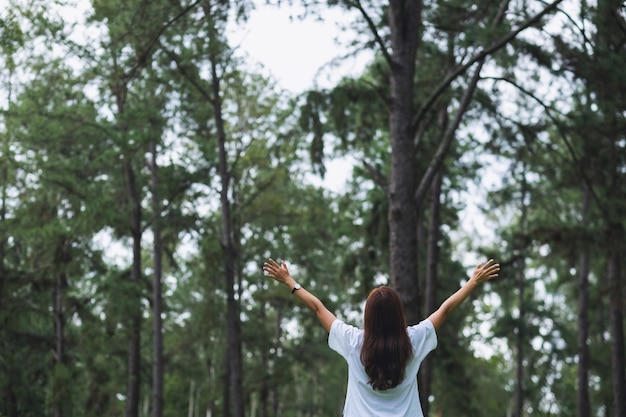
280, 273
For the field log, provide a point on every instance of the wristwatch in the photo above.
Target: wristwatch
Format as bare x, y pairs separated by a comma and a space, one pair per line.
296, 288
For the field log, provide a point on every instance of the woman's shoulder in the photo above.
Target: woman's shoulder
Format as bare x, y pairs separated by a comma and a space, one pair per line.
341, 326
341, 329
344, 338
424, 326
423, 335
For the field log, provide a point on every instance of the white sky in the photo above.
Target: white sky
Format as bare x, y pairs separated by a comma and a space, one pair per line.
296, 53
294, 50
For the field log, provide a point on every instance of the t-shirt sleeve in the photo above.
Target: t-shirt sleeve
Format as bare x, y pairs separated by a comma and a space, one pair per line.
423, 338
342, 337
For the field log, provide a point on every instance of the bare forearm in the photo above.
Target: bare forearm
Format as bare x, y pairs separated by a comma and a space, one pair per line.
312, 302
281, 274
458, 297
482, 273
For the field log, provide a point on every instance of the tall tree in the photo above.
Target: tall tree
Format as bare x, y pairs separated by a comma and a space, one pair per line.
602, 160
405, 25
584, 407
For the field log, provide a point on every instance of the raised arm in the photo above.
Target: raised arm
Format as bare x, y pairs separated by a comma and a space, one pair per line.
280, 273
483, 272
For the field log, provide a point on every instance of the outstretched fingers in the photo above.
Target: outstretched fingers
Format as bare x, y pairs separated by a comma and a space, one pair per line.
487, 271
491, 269
275, 269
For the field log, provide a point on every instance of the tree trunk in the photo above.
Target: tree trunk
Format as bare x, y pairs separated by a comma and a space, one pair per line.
134, 314
584, 407
4, 180
233, 331
226, 385
192, 396
265, 365
59, 333
618, 365
520, 336
405, 25
157, 296
277, 335
134, 330
432, 259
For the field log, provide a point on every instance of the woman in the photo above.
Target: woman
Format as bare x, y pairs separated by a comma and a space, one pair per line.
384, 357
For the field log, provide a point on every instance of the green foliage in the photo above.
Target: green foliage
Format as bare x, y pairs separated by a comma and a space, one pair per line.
11, 37
68, 129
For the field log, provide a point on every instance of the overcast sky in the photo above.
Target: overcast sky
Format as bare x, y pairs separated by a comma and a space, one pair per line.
295, 50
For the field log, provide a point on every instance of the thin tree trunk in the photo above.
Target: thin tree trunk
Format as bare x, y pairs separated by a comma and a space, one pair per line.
265, 383
520, 336
134, 336
4, 172
606, 403
226, 385
584, 407
134, 314
59, 332
405, 25
157, 293
11, 406
233, 331
277, 336
618, 361
432, 259
192, 391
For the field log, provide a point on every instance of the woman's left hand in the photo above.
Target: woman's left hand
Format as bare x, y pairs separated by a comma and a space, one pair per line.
276, 271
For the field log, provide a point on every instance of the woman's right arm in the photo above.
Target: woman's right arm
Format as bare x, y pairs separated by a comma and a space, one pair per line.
281, 274
482, 273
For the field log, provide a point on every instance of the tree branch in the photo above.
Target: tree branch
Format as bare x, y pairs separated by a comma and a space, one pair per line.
377, 176
193, 79
450, 131
447, 139
563, 135
141, 59
479, 57
370, 23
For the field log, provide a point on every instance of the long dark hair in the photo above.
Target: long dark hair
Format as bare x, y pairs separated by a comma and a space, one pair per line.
386, 346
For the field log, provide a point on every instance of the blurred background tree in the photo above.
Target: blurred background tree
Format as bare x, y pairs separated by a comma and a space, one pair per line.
149, 168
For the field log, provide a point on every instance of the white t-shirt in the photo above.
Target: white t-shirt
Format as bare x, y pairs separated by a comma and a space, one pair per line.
361, 399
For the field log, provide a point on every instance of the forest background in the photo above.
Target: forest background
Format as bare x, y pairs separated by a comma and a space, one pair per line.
148, 167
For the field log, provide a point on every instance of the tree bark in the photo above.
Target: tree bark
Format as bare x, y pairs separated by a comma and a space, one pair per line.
157, 293
265, 365
226, 385
277, 335
405, 24
233, 331
134, 330
432, 260
584, 407
59, 332
192, 396
134, 216
521, 283
618, 361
